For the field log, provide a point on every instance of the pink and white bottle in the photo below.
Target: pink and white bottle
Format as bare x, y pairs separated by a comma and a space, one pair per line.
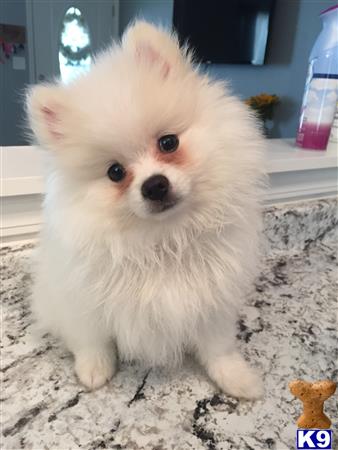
321, 88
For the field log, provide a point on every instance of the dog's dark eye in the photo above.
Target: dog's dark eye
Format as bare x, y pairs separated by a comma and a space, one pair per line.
168, 143
116, 172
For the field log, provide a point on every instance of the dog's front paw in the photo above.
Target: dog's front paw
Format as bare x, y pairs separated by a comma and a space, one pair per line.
234, 376
95, 368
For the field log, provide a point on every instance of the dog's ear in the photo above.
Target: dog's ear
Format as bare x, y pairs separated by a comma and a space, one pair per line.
49, 113
154, 47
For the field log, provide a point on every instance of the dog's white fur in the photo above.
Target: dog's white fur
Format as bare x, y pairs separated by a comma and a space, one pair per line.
114, 276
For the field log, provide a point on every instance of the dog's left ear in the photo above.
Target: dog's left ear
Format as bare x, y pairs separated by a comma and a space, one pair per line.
154, 47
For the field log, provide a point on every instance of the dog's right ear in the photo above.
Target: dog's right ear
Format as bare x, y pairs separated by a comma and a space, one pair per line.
48, 113
155, 47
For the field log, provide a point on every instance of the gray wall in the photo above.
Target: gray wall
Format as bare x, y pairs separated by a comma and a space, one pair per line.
12, 82
294, 29
157, 11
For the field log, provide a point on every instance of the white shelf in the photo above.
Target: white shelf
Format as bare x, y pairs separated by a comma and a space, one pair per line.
294, 175
21, 171
22, 167
284, 156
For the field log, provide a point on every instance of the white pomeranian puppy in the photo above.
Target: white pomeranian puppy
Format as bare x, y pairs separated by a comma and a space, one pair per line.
152, 212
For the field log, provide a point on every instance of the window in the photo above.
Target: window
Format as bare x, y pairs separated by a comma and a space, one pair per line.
74, 47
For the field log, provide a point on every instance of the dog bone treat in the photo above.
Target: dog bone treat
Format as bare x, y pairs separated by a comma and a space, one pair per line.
313, 396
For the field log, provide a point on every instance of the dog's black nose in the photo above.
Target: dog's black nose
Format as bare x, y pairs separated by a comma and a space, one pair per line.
155, 187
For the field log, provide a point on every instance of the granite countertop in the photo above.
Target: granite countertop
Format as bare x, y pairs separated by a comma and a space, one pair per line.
288, 327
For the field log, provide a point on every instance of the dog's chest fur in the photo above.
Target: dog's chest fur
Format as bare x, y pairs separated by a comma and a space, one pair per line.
154, 308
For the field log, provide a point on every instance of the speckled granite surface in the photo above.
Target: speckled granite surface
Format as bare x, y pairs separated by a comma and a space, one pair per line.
288, 327
293, 226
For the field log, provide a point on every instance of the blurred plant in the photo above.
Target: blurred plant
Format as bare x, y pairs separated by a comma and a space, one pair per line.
263, 104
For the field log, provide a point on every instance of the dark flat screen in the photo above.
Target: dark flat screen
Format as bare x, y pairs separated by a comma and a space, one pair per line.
225, 31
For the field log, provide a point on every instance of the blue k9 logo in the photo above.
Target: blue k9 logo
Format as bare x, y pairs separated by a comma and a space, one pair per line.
316, 439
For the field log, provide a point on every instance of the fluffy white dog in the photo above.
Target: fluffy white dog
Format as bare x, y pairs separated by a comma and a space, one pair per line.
152, 212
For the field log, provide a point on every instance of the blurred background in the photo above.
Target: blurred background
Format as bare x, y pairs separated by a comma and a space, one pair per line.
258, 45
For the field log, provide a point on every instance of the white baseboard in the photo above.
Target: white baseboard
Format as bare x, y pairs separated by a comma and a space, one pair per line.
21, 217
302, 185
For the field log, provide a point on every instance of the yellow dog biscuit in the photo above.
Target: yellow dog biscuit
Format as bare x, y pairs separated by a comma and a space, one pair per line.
313, 396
